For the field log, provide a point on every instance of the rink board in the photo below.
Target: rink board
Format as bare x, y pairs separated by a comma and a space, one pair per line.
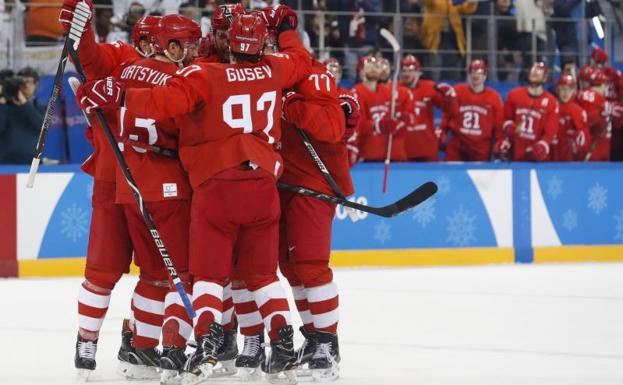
482, 214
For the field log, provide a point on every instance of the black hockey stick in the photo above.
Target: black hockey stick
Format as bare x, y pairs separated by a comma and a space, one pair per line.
407, 202
168, 263
321, 166
602, 134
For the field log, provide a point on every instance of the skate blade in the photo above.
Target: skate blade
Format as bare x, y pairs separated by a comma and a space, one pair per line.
325, 375
82, 375
122, 368
141, 372
303, 371
287, 377
170, 377
206, 371
225, 368
249, 374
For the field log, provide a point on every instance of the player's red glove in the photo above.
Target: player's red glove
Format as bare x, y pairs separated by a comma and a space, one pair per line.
138, 137
539, 151
83, 17
280, 18
353, 150
446, 90
391, 126
207, 46
104, 93
509, 127
351, 109
289, 99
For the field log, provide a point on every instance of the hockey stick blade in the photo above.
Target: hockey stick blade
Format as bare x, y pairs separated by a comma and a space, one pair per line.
391, 39
409, 201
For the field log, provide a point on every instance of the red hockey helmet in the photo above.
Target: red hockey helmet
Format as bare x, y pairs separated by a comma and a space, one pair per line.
145, 27
599, 56
566, 80
478, 66
332, 63
224, 14
176, 28
538, 72
365, 61
585, 74
247, 34
411, 62
598, 77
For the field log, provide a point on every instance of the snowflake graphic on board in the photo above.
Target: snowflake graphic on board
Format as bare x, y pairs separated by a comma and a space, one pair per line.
618, 227
443, 185
570, 220
424, 213
461, 229
597, 198
382, 232
74, 222
554, 187
90, 190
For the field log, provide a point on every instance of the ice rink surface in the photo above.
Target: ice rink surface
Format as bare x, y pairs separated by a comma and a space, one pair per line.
490, 325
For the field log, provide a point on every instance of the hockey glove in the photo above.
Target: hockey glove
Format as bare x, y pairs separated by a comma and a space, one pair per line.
391, 126
67, 14
446, 90
539, 152
105, 93
288, 100
351, 109
280, 18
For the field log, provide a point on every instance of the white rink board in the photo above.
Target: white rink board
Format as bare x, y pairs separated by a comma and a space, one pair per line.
488, 325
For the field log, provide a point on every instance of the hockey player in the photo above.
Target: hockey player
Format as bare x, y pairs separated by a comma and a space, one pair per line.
423, 140
531, 119
571, 141
376, 123
598, 111
110, 247
353, 115
480, 118
232, 166
221, 21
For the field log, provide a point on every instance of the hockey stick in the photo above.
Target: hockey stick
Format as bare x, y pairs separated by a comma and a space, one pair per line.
395, 47
168, 263
409, 201
603, 132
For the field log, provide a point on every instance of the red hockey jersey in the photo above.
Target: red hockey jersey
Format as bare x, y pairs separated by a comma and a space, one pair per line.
573, 120
599, 125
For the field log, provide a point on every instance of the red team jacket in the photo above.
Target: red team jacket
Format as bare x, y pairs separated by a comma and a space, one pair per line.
596, 108
323, 119
228, 114
477, 124
374, 106
572, 119
536, 119
99, 61
158, 177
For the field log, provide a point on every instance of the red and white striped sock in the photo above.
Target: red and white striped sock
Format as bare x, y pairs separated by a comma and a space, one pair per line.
177, 327
249, 317
300, 299
273, 305
324, 304
148, 310
229, 317
93, 303
208, 304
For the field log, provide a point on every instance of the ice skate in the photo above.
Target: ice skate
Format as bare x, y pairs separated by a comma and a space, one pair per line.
305, 353
280, 366
200, 365
125, 349
324, 364
84, 359
172, 363
144, 364
227, 355
252, 357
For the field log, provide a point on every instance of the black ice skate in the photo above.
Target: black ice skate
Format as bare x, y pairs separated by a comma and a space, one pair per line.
227, 354
305, 352
144, 364
172, 363
280, 366
84, 359
200, 364
324, 364
253, 355
125, 349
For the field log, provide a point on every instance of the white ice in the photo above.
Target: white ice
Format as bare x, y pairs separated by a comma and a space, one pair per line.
491, 325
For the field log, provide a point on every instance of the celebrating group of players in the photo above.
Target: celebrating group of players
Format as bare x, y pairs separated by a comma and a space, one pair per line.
582, 121
207, 125
231, 105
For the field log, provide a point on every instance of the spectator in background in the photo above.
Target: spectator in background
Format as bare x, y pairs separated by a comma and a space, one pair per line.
509, 41
531, 19
31, 81
20, 123
566, 34
4, 75
103, 20
188, 10
124, 27
41, 26
442, 29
